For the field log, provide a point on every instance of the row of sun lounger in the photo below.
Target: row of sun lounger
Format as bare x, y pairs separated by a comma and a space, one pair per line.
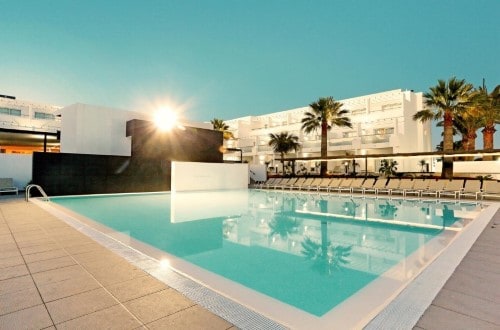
418, 187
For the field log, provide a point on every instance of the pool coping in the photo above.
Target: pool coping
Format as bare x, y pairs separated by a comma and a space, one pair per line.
413, 299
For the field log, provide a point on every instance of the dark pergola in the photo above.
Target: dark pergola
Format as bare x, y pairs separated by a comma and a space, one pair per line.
437, 154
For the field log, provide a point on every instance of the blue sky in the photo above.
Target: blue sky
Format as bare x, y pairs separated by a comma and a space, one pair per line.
226, 59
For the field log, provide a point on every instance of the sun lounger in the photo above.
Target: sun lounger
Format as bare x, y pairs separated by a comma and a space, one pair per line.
344, 185
490, 189
7, 185
297, 184
435, 186
331, 184
279, 183
404, 185
356, 183
269, 183
391, 185
379, 184
288, 183
315, 184
367, 184
471, 188
306, 184
452, 188
418, 187
325, 184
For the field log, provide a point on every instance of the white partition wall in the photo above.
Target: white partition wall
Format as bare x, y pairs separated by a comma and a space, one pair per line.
187, 176
18, 167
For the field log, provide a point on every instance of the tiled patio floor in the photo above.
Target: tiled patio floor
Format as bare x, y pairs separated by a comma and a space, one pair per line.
53, 276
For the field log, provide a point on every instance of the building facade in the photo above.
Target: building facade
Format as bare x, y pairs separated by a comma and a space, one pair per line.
27, 126
382, 124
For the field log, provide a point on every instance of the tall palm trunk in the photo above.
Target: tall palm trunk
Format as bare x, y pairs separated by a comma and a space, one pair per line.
447, 172
471, 141
488, 138
324, 148
283, 162
488, 134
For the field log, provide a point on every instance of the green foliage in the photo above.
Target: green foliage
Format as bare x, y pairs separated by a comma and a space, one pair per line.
283, 143
220, 125
323, 115
388, 167
326, 258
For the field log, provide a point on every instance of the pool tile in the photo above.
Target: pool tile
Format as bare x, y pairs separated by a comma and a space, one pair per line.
136, 287
15, 271
30, 318
36, 242
61, 289
11, 261
6, 238
474, 286
9, 253
116, 273
468, 305
115, 317
436, 317
84, 248
157, 305
59, 274
16, 284
45, 255
194, 317
14, 301
80, 304
44, 265
39, 248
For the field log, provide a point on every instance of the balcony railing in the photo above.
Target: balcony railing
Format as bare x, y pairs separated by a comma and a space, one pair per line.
375, 138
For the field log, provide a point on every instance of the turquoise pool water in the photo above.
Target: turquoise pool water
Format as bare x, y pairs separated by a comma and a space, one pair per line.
310, 251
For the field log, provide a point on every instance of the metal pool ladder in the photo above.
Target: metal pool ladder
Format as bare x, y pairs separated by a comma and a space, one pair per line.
40, 189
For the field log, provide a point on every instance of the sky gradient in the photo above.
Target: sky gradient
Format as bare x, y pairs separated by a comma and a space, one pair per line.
227, 59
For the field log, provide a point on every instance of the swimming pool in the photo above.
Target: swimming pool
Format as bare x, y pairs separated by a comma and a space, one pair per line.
317, 253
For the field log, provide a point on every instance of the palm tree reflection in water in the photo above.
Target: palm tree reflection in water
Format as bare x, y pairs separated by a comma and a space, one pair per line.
283, 226
326, 258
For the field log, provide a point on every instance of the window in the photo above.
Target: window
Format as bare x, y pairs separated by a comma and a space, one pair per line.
43, 115
10, 112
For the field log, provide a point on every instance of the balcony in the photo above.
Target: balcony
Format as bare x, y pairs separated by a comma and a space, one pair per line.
376, 138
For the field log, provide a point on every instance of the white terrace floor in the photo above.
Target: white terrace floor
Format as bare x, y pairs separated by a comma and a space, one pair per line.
53, 276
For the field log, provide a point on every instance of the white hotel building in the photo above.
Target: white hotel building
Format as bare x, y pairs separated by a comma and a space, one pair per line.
382, 124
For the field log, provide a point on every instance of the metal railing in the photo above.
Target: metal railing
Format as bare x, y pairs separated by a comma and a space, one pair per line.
40, 189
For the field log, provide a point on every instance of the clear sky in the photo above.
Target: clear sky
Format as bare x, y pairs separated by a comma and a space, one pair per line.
232, 58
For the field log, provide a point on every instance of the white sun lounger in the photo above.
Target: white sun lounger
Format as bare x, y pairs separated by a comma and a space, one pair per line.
316, 184
418, 187
452, 188
367, 184
435, 186
379, 184
7, 185
490, 189
392, 185
404, 186
471, 188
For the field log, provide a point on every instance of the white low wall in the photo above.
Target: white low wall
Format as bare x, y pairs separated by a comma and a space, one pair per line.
474, 168
187, 176
19, 167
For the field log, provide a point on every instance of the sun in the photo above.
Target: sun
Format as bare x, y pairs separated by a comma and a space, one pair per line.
165, 119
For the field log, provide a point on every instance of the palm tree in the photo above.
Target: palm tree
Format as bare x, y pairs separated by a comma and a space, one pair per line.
220, 125
489, 106
388, 167
325, 113
446, 99
470, 120
283, 143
